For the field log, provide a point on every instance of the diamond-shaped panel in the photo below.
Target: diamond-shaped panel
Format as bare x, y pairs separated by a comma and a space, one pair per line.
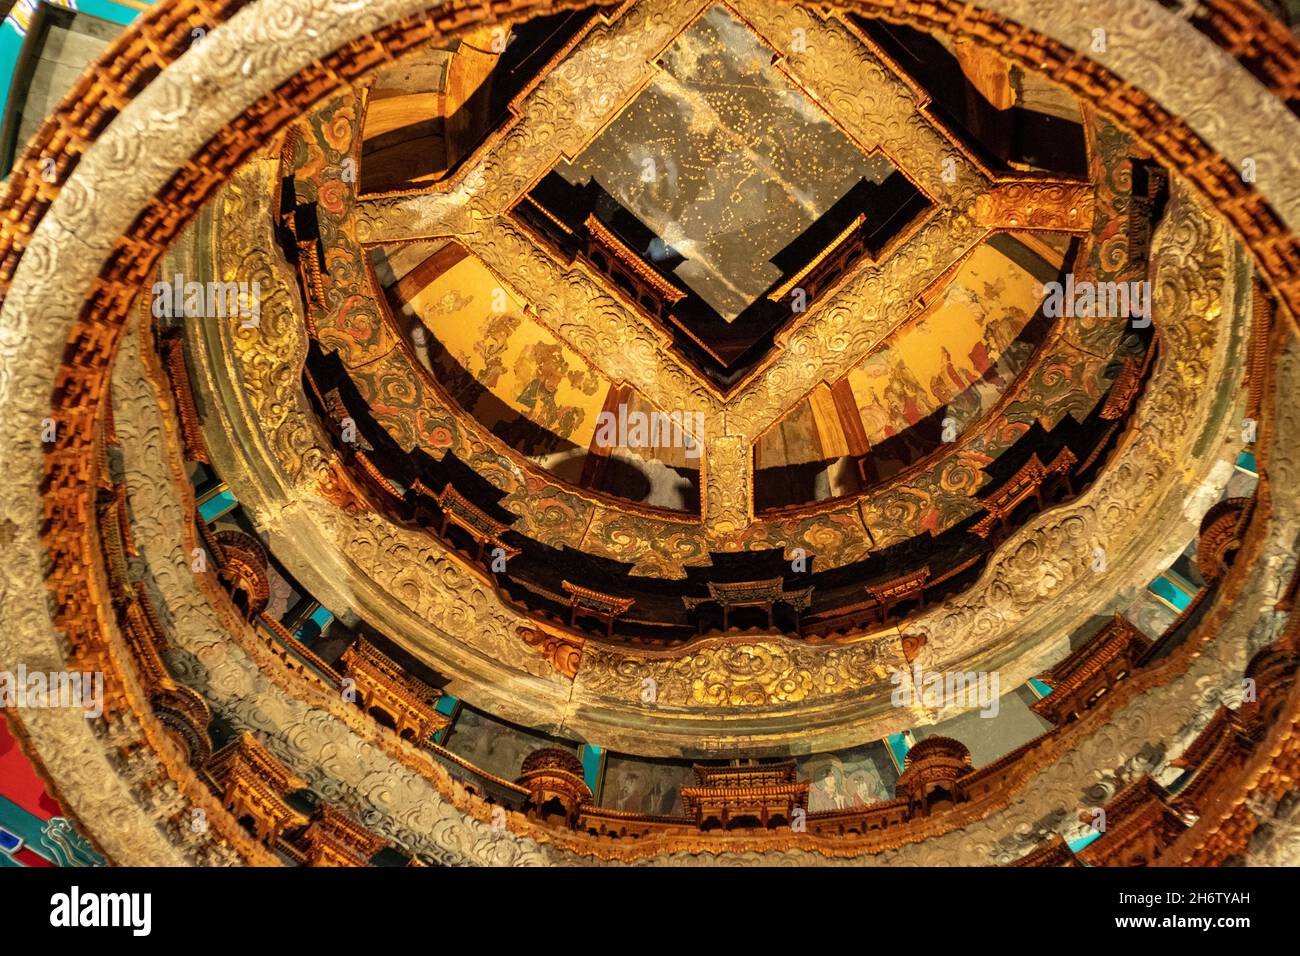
718, 187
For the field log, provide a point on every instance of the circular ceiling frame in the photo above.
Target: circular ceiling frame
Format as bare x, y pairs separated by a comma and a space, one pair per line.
70, 265
789, 695
448, 612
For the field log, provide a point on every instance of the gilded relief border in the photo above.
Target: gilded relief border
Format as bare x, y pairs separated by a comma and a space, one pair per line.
36, 251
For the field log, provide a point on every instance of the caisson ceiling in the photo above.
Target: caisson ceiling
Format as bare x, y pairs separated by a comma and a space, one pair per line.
668, 431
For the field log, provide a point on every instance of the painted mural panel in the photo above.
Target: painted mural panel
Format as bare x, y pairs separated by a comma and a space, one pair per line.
496, 747
482, 327
934, 379
645, 786
958, 359
475, 336
848, 778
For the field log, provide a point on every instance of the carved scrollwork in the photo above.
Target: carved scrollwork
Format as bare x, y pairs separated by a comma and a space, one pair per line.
111, 775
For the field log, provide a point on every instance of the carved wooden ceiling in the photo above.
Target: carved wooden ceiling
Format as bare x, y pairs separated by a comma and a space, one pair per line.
454, 365
813, 246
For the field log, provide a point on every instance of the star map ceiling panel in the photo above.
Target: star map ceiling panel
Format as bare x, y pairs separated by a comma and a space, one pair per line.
728, 192
725, 160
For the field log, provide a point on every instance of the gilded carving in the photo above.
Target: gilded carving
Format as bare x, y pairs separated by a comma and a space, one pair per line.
402, 573
47, 278
733, 673
563, 652
595, 321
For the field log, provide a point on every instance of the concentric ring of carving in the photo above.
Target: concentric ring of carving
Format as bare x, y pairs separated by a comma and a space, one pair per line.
411, 587
1166, 708
63, 248
875, 107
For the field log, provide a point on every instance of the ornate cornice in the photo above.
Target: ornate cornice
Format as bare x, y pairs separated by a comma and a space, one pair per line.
768, 677
61, 242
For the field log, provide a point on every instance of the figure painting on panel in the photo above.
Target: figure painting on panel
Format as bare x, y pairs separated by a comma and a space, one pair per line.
844, 781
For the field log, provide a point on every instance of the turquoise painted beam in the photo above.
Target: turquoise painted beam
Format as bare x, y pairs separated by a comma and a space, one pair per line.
217, 505
898, 745
13, 33
593, 767
449, 707
321, 618
54, 840
1078, 843
107, 10
24, 825
1171, 592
